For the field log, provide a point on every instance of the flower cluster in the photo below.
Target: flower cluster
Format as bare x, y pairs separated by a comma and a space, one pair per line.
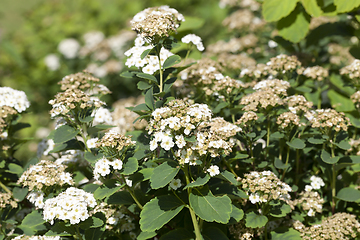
315, 183
298, 103
156, 22
339, 54
317, 72
260, 99
102, 167
240, 232
243, 19
338, 226
352, 70
24, 237
235, 61
328, 119
196, 40
277, 86
265, 186
283, 63
13, 98
102, 116
7, 199
70, 205
191, 129
309, 201
287, 119
114, 140
234, 45
116, 218
69, 47
355, 98
45, 173
260, 71
247, 118
150, 64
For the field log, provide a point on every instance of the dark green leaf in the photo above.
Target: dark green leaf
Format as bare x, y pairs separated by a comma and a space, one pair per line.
15, 169
170, 61
279, 164
120, 198
169, 83
325, 156
280, 210
178, 234
163, 174
254, 220
128, 74
210, 208
344, 144
90, 157
32, 222
214, 233
159, 211
65, 133
130, 166
200, 181
148, 77
19, 193
229, 177
314, 140
296, 143
145, 53
290, 234
236, 214
149, 98
220, 106
104, 191
91, 222
143, 85
349, 194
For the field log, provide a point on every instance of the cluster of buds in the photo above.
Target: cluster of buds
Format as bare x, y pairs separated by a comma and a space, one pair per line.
298, 104
265, 186
243, 19
7, 199
283, 63
260, 100
338, 226
289, 119
327, 119
234, 45
24, 237
235, 61
309, 201
355, 98
352, 70
114, 141
279, 87
248, 118
45, 174
317, 73
156, 22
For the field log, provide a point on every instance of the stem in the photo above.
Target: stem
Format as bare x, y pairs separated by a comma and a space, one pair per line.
333, 182
192, 213
233, 118
5, 188
132, 194
78, 232
161, 72
231, 169
286, 163
297, 166
319, 99
268, 136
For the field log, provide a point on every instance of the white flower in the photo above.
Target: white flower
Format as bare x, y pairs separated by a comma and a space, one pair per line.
308, 188
175, 184
316, 182
93, 38
52, 62
91, 143
272, 44
254, 198
102, 116
69, 48
311, 213
128, 182
213, 170
117, 164
153, 145
196, 40
167, 143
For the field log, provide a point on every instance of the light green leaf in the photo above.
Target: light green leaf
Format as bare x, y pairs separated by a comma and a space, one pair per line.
280, 210
178, 234
146, 76
291, 234
65, 133
236, 214
191, 23
210, 208
163, 174
349, 194
130, 166
200, 181
143, 85
314, 140
254, 220
294, 27
346, 5
159, 211
91, 222
20, 193
171, 61
104, 191
228, 176
91, 157
344, 144
149, 98
32, 222
312, 8
297, 143
325, 156
340, 103
146, 235
274, 10
220, 106
15, 169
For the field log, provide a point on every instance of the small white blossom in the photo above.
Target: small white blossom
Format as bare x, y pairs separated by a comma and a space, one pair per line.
175, 184
213, 170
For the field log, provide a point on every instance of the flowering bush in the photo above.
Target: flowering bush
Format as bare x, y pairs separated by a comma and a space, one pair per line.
256, 153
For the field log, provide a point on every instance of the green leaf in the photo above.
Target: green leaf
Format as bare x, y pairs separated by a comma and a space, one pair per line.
90, 157
279, 164
65, 133
178, 234
163, 174
236, 214
130, 166
147, 77
191, 23
220, 106
210, 208
91, 222
346, 6
32, 222
314, 140
312, 8
344, 144
290, 234
274, 10
120, 198
19, 193
229, 177
170, 61
349, 194
128, 74
169, 83
200, 181
143, 85
146, 235
340, 102
280, 210
254, 220
15, 169
149, 98
325, 156
145, 53
104, 191
159, 211
214, 233
297, 143
295, 26
140, 107
60, 229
